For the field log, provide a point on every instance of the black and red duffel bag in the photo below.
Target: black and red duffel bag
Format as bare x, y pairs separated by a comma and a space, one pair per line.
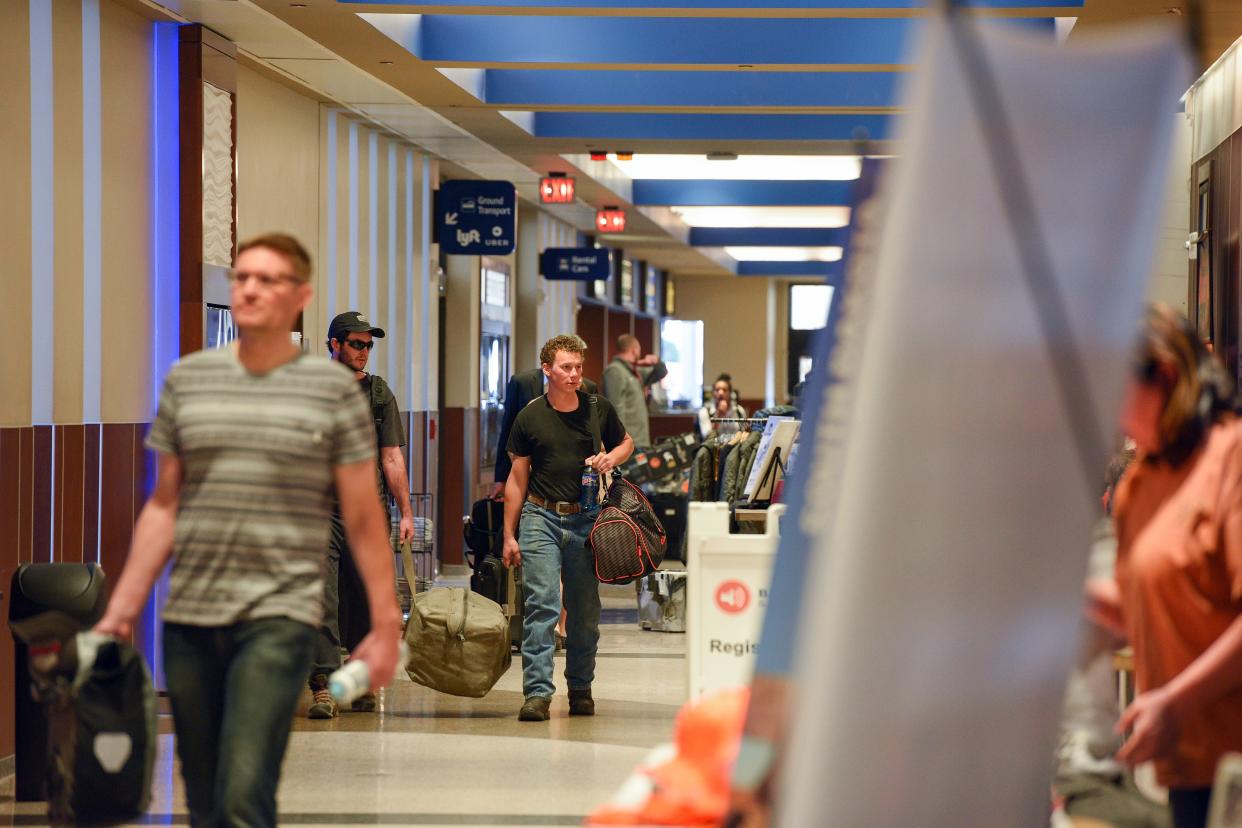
628, 540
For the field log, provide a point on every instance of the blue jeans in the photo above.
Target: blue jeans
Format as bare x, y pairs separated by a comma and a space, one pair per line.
554, 553
234, 692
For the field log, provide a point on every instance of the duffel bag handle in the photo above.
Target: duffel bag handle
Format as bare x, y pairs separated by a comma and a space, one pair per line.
407, 564
510, 607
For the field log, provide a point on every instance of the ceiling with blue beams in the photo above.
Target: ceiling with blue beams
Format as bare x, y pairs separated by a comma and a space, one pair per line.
547, 81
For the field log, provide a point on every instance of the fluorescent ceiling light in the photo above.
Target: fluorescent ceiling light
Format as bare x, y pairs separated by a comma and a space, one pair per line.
744, 168
764, 216
785, 254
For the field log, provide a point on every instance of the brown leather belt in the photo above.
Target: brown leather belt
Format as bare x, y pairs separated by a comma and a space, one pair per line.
558, 506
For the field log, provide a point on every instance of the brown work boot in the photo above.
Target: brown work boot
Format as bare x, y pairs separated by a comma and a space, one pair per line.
323, 706
581, 703
535, 709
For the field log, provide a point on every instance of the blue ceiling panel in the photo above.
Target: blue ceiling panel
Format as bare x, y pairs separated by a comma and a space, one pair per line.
483, 39
831, 270
663, 40
649, 192
558, 87
619, 126
817, 5
767, 236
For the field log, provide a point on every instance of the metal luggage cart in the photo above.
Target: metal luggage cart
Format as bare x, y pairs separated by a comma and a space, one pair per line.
426, 567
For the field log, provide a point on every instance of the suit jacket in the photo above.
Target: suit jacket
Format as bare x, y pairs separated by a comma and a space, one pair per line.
523, 388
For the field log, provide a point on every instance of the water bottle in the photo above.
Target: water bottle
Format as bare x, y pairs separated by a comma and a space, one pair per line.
588, 498
354, 679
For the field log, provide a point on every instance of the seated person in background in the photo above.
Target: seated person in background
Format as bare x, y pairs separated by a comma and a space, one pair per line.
722, 404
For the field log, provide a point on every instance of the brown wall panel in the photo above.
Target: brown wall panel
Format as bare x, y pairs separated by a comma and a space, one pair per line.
452, 502
619, 322
10, 515
25, 485
90, 492
593, 329
70, 471
117, 495
10, 444
42, 517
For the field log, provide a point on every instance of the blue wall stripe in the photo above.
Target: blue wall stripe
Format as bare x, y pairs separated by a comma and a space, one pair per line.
329, 267
353, 173
767, 236
42, 211
428, 269
715, 193
92, 220
394, 344
408, 276
373, 220
165, 206
687, 127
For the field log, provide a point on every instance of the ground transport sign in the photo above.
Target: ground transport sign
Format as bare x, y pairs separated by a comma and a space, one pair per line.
476, 218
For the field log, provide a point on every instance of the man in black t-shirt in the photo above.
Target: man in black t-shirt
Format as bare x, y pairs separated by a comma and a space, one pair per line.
550, 443
346, 618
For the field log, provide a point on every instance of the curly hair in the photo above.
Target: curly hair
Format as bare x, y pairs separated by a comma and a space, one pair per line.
564, 342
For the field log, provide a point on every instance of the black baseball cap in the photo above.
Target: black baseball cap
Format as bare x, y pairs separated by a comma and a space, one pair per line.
352, 322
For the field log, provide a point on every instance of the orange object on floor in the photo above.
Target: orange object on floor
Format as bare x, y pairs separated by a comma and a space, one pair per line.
693, 787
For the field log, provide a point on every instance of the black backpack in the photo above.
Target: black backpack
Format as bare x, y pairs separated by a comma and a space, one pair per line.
483, 531
101, 711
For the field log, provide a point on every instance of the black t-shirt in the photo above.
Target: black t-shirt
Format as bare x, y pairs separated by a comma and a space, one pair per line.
558, 444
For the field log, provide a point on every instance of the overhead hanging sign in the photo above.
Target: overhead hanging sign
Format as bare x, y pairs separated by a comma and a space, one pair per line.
583, 264
476, 218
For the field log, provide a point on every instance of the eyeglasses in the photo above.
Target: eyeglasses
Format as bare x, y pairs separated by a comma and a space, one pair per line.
359, 345
267, 281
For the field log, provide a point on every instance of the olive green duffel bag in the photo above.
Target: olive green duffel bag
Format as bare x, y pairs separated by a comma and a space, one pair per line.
458, 640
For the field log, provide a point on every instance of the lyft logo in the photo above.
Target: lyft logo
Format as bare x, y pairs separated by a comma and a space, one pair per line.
465, 237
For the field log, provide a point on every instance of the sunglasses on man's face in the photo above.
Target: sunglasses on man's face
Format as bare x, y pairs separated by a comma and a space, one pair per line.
359, 345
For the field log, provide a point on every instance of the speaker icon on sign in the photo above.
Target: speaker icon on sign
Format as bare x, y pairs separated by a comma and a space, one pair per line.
732, 597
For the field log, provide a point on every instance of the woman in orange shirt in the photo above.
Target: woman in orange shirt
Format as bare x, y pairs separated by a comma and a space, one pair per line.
1178, 590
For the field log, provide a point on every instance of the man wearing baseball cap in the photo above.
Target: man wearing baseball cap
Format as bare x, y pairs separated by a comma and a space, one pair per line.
351, 337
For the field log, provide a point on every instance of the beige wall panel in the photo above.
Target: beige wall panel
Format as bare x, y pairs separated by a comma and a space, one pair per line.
431, 360
125, 77
277, 160
364, 218
461, 335
15, 202
401, 301
379, 225
733, 310
343, 176
67, 265
1170, 266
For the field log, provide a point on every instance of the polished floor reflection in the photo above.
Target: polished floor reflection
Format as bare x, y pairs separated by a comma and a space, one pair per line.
433, 760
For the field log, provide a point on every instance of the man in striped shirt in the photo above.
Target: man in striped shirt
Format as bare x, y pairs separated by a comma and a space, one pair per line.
251, 441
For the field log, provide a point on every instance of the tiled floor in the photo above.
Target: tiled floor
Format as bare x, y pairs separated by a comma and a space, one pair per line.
427, 759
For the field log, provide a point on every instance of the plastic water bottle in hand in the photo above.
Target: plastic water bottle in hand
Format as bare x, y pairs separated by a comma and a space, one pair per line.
354, 679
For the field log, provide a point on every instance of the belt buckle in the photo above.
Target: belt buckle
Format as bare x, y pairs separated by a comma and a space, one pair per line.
564, 508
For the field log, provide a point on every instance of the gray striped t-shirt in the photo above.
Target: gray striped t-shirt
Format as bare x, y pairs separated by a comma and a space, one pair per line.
258, 452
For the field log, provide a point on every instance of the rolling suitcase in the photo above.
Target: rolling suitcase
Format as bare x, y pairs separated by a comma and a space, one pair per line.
671, 509
490, 579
